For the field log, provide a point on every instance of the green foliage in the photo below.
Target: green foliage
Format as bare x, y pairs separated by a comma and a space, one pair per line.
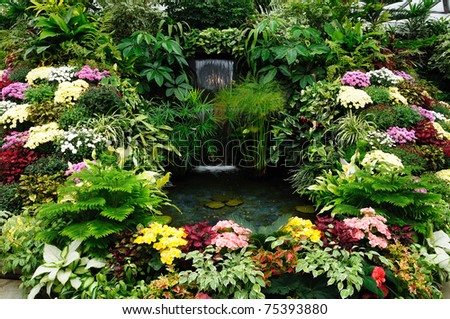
392, 194
103, 202
215, 41
44, 113
123, 18
386, 116
342, 268
19, 73
40, 94
9, 201
102, 99
202, 14
231, 275
351, 128
434, 157
295, 54
36, 189
64, 271
19, 249
436, 62
46, 166
72, 116
248, 107
193, 124
378, 94
410, 158
159, 60
351, 47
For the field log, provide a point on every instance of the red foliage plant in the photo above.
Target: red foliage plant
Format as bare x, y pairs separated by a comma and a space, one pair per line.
276, 263
426, 134
336, 232
198, 237
14, 160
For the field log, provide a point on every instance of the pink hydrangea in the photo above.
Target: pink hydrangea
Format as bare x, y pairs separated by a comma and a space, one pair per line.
230, 235
401, 135
15, 90
356, 79
86, 73
371, 225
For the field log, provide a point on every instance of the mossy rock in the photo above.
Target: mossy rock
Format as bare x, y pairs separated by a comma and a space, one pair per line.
234, 202
214, 205
307, 209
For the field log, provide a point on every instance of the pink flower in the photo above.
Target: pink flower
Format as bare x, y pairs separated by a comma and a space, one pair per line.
230, 235
356, 79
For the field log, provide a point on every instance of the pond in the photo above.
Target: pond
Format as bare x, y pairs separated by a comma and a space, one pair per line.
218, 193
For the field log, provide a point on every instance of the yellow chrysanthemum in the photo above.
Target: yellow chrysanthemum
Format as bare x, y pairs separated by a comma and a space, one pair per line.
396, 96
300, 228
38, 74
14, 115
69, 92
349, 97
43, 134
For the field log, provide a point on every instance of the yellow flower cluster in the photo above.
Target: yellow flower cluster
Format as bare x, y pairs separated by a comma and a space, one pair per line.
14, 115
38, 74
444, 175
300, 228
349, 97
440, 130
396, 96
165, 239
69, 92
43, 134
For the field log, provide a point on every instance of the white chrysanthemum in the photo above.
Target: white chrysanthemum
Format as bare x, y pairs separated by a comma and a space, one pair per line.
42, 134
37, 74
380, 159
15, 115
349, 97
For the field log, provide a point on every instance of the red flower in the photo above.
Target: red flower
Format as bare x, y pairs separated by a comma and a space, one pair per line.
379, 275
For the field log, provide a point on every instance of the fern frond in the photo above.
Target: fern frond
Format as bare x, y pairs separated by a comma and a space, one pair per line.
78, 231
51, 209
117, 213
395, 199
91, 203
100, 228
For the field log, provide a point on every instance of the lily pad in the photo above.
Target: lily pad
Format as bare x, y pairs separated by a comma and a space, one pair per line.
162, 219
234, 202
307, 209
214, 205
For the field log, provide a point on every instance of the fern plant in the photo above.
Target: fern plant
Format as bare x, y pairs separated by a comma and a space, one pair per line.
399, 196
101, 201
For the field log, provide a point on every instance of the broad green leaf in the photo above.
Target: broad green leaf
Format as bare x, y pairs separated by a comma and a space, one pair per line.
71, 257
42, 270
95, 263
35, 291
76, 283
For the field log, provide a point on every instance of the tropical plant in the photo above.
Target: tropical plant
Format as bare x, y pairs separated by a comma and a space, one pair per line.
248, 107
193, 124
64, 270
116, 200
102, 99
293, 53
158, 59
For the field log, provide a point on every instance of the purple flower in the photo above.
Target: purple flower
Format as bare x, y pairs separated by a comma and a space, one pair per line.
401, 135
404, 75
429, 115
15, 139
15, 90
356, 79
86, 73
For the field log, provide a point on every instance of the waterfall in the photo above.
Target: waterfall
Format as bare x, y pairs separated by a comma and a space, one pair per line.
215, 169
214, 74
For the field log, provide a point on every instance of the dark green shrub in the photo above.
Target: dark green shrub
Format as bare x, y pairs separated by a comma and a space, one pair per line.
46, 166
40, 94
19, 73
202, 14
70, 117
126, 17
100, 99
385, 116
409, 157
378, 94
9, 200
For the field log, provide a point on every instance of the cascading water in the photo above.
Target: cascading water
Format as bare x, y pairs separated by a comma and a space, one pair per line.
214, 74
